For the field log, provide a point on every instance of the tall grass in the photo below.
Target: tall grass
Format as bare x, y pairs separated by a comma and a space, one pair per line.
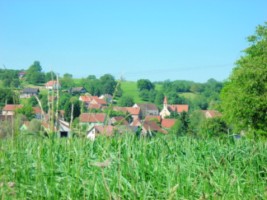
126, 167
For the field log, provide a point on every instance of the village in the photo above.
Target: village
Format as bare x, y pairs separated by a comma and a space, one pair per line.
144, 119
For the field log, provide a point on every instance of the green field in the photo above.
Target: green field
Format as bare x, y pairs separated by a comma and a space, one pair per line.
159, 168
129, 88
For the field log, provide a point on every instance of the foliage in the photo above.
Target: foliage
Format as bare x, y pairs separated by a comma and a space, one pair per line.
126, 101
182, 124
145, 84
213, 127
9, 78
244, 96
67, 81
35, 126
34, 168
27, 111
8, 96
76, 109
34, 74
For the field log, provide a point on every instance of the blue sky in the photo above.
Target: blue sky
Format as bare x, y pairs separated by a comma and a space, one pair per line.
157, 40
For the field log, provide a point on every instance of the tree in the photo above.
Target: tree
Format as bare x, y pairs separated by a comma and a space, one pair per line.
244, 95
108, 84
145, 84
68, 109
34, 74
126, 101
27, 110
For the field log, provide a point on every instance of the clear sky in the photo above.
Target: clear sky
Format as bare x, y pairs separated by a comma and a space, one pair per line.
158, 40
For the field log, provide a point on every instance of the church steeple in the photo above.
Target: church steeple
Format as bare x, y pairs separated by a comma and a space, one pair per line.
165, 102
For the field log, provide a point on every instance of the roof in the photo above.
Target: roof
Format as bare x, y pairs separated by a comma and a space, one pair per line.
153, 118
167, 123
85, 98
179, 108
51, 83
147, 106
11, 107
212, 113
99, 101
120, 120
37, 110
30, 90
136, 122
104, 130
153, 126
131, 110
92, 117
77, 89
94, 106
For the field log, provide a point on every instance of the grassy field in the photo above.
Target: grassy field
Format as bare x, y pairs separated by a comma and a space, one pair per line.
131, 168
129, 88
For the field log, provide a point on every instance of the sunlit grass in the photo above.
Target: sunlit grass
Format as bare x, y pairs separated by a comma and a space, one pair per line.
131, 168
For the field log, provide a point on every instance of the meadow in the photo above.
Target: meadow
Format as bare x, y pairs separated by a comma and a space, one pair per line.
127, 167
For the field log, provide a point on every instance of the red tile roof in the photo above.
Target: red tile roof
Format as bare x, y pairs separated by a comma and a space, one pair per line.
179, 108
153, 126
120, 120
99, 101
104, 130
131, 110
11, 107
167, 123
136, 122
51, 83
37, 110
92, 117
94, 106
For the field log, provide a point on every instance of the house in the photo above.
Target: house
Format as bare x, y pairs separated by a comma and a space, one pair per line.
167, 109
92, 100
77, 90
92, 119
147, 109
134, 112
136, 123
100, 130
168, 123
63, 129
118, 121
149, 127
108, 98
10, 109
37, 112
52, 85
29, 92
211, 113
21, 74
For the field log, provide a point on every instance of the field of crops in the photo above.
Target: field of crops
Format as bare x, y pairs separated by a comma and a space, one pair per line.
127, 167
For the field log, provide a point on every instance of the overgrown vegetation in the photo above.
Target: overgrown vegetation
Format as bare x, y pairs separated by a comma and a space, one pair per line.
126, 167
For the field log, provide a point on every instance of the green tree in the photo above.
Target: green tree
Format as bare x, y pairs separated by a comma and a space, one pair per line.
34, 74
244, 95
145, 84
76, 109
26, 110
126, 101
